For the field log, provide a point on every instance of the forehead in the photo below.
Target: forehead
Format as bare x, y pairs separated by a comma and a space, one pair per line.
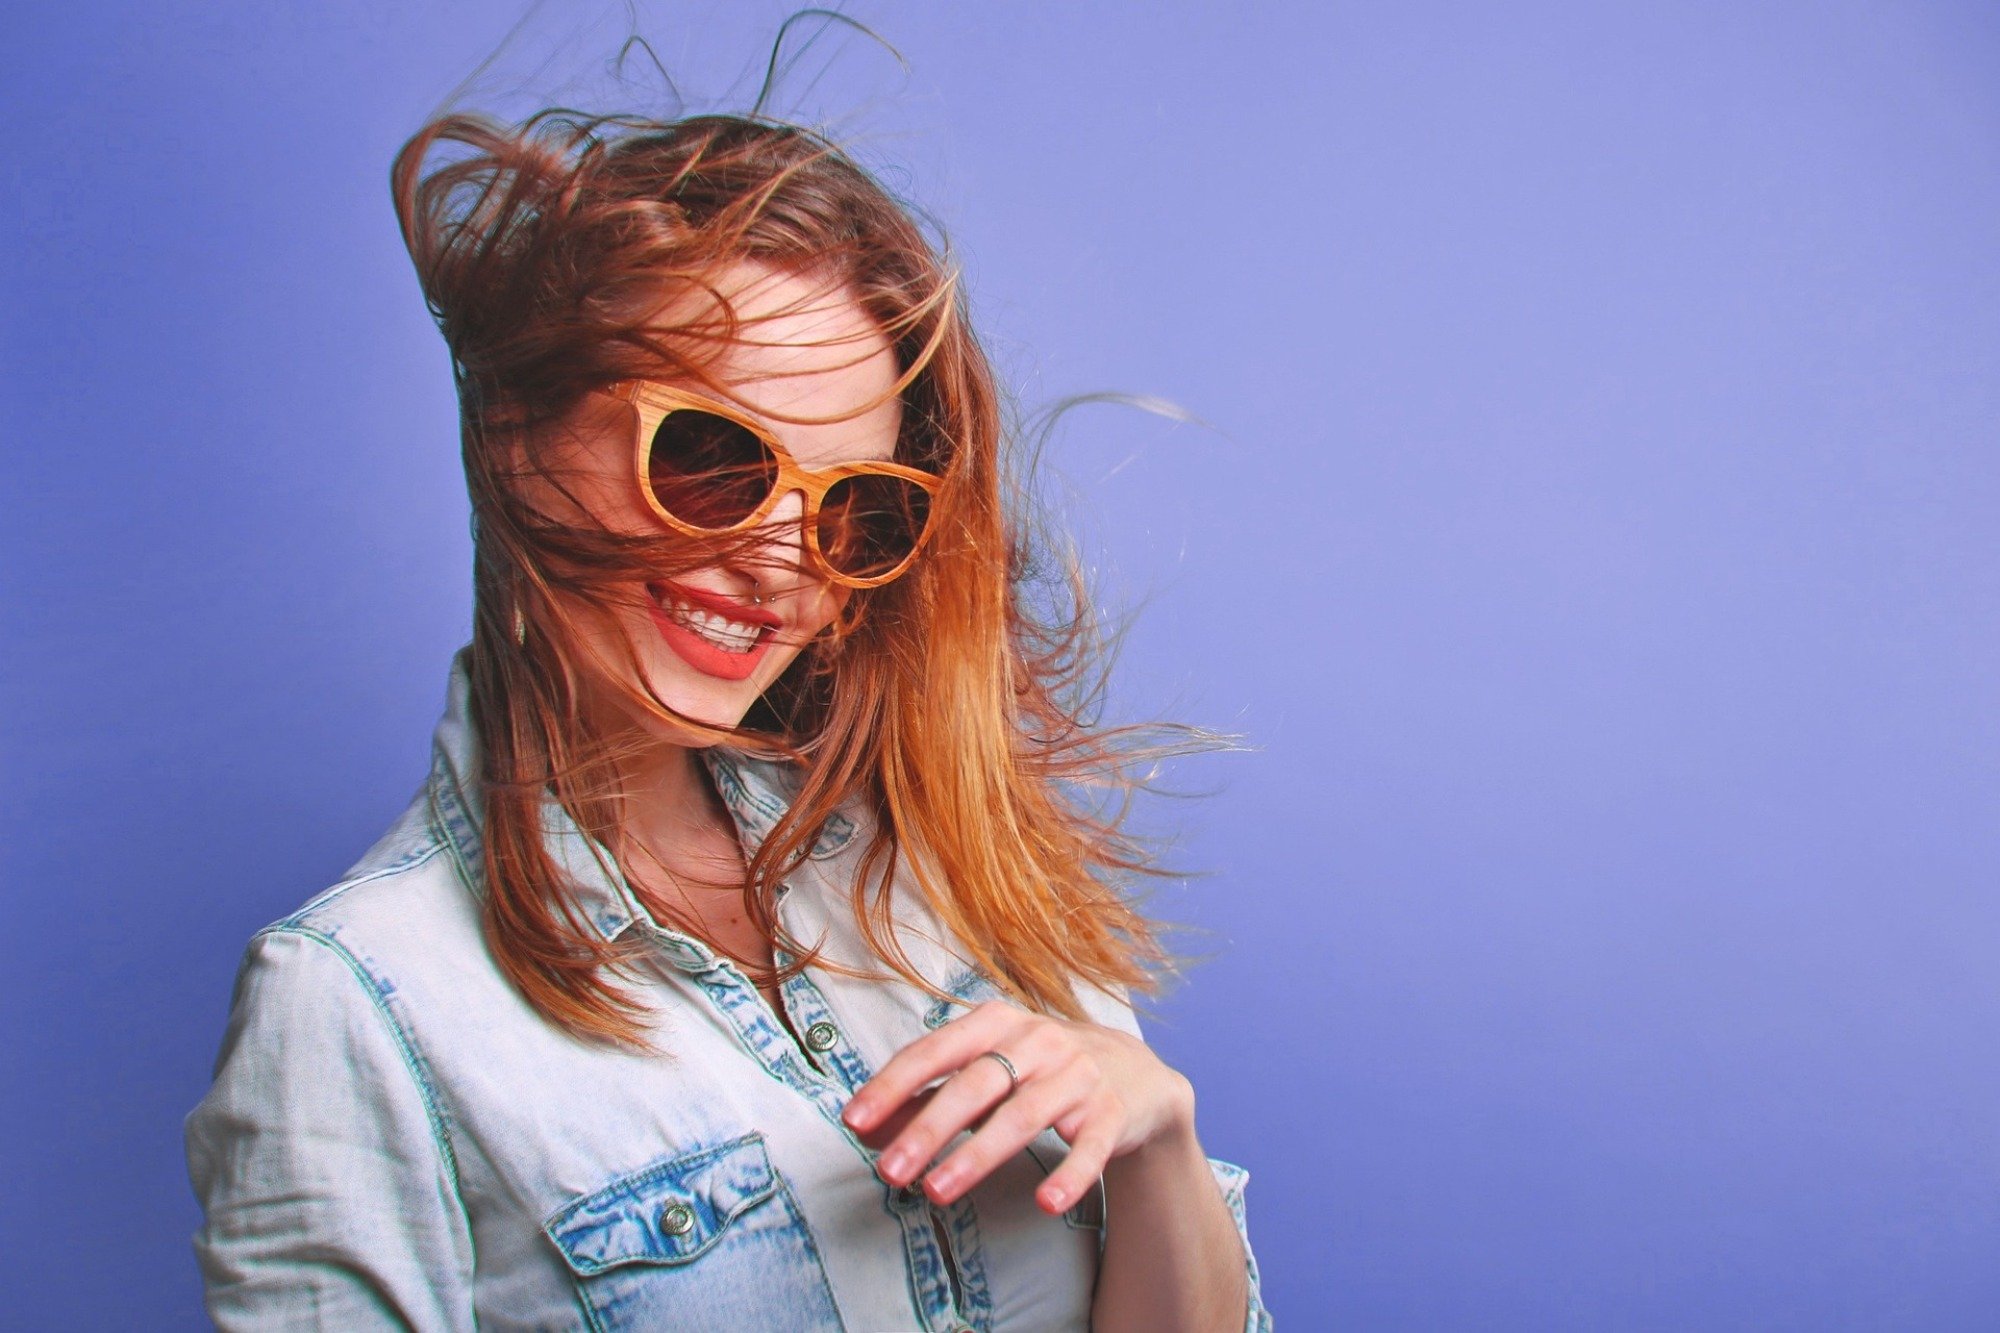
809, 362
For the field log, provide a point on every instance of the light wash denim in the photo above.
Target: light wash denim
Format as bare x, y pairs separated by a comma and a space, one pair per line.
394, 1139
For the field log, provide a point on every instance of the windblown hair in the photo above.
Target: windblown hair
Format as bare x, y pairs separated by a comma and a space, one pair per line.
571, 252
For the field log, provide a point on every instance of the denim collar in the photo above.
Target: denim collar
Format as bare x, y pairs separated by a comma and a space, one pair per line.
756, 793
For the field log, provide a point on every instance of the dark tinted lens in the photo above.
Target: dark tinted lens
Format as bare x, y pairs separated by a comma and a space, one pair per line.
868, 525
708, 471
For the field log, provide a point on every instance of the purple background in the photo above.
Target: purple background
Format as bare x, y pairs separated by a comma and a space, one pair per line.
1593, 529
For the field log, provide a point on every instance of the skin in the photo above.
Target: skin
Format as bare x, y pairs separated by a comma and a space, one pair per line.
1171, 1259
816, 355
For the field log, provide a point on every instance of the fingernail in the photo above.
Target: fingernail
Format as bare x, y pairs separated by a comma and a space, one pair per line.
943, 1180
897, 1163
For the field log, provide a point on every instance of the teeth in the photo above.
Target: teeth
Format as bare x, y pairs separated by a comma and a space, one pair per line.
732, 636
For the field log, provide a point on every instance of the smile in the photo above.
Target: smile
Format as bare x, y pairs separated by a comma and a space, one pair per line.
732, 636
715, 635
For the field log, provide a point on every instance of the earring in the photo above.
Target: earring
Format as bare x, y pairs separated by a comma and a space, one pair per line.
520, 627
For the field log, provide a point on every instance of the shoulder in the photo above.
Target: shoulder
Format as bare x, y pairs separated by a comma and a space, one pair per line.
403, 919
332, 986
322, 1156
404, 900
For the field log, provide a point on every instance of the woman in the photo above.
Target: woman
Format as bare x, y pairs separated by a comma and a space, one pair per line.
756, 811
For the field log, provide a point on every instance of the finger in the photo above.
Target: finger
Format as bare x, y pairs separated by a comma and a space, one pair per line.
1036, 1046
1079, 1172
957, 1104
1011, 1127
884, 1133
930, 1057
1069, 1125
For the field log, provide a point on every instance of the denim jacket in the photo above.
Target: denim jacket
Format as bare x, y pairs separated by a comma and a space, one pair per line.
395, 1139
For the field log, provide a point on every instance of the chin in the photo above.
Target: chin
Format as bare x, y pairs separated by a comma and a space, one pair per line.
700, 706
709, 670
709, 696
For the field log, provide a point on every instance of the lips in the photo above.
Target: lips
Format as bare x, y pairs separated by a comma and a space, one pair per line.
717, 636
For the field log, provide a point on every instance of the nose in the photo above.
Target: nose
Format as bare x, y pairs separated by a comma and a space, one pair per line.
778, 560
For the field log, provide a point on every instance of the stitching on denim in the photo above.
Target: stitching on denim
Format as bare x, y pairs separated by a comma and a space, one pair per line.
749, 808
812, 1245
1234, 1180
834, 835
412, 1060
917, 1229
729, 993
747, 794
443, 826
969, 987
933, 1284
930, 1287
969, 982
327, 897
968, 1255
649, 1173
778, 1054
773, 1186
415, 856
846, 1060
641, 1201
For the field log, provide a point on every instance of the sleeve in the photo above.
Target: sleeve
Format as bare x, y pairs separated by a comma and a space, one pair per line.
326, 1179
1115, 1011
1232, 1178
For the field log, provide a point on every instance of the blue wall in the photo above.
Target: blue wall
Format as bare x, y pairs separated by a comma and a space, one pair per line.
1594, 531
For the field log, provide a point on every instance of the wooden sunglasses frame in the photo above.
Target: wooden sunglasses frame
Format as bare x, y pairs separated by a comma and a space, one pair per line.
654, 403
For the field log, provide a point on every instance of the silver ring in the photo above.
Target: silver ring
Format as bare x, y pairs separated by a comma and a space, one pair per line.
1013, 1074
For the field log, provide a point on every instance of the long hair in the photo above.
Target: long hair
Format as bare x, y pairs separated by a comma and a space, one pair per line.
953, 703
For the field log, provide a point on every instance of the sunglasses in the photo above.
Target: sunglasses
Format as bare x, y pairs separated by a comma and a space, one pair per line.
710, 471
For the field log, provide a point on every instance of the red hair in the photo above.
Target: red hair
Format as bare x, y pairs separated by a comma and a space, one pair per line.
944, 701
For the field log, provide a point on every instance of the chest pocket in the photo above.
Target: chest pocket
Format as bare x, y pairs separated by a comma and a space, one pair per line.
708, 1239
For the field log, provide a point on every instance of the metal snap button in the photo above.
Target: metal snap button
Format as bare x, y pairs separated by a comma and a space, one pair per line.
677, 1219
822, 1036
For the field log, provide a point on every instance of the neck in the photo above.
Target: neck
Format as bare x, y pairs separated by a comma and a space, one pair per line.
663, 778
674, 820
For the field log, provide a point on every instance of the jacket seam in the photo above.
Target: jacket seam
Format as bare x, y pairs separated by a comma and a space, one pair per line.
412, 1061
441, 830
330, 896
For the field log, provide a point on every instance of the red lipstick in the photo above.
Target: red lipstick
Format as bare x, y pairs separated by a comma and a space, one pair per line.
694, 648
716, 602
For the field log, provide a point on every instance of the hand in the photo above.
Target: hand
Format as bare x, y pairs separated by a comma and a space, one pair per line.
1104, 1091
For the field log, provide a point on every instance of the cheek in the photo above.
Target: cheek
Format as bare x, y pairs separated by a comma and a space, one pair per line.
587, 477
611, 499
829, 604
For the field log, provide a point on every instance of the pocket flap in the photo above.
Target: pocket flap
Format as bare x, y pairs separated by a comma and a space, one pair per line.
666, 1213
